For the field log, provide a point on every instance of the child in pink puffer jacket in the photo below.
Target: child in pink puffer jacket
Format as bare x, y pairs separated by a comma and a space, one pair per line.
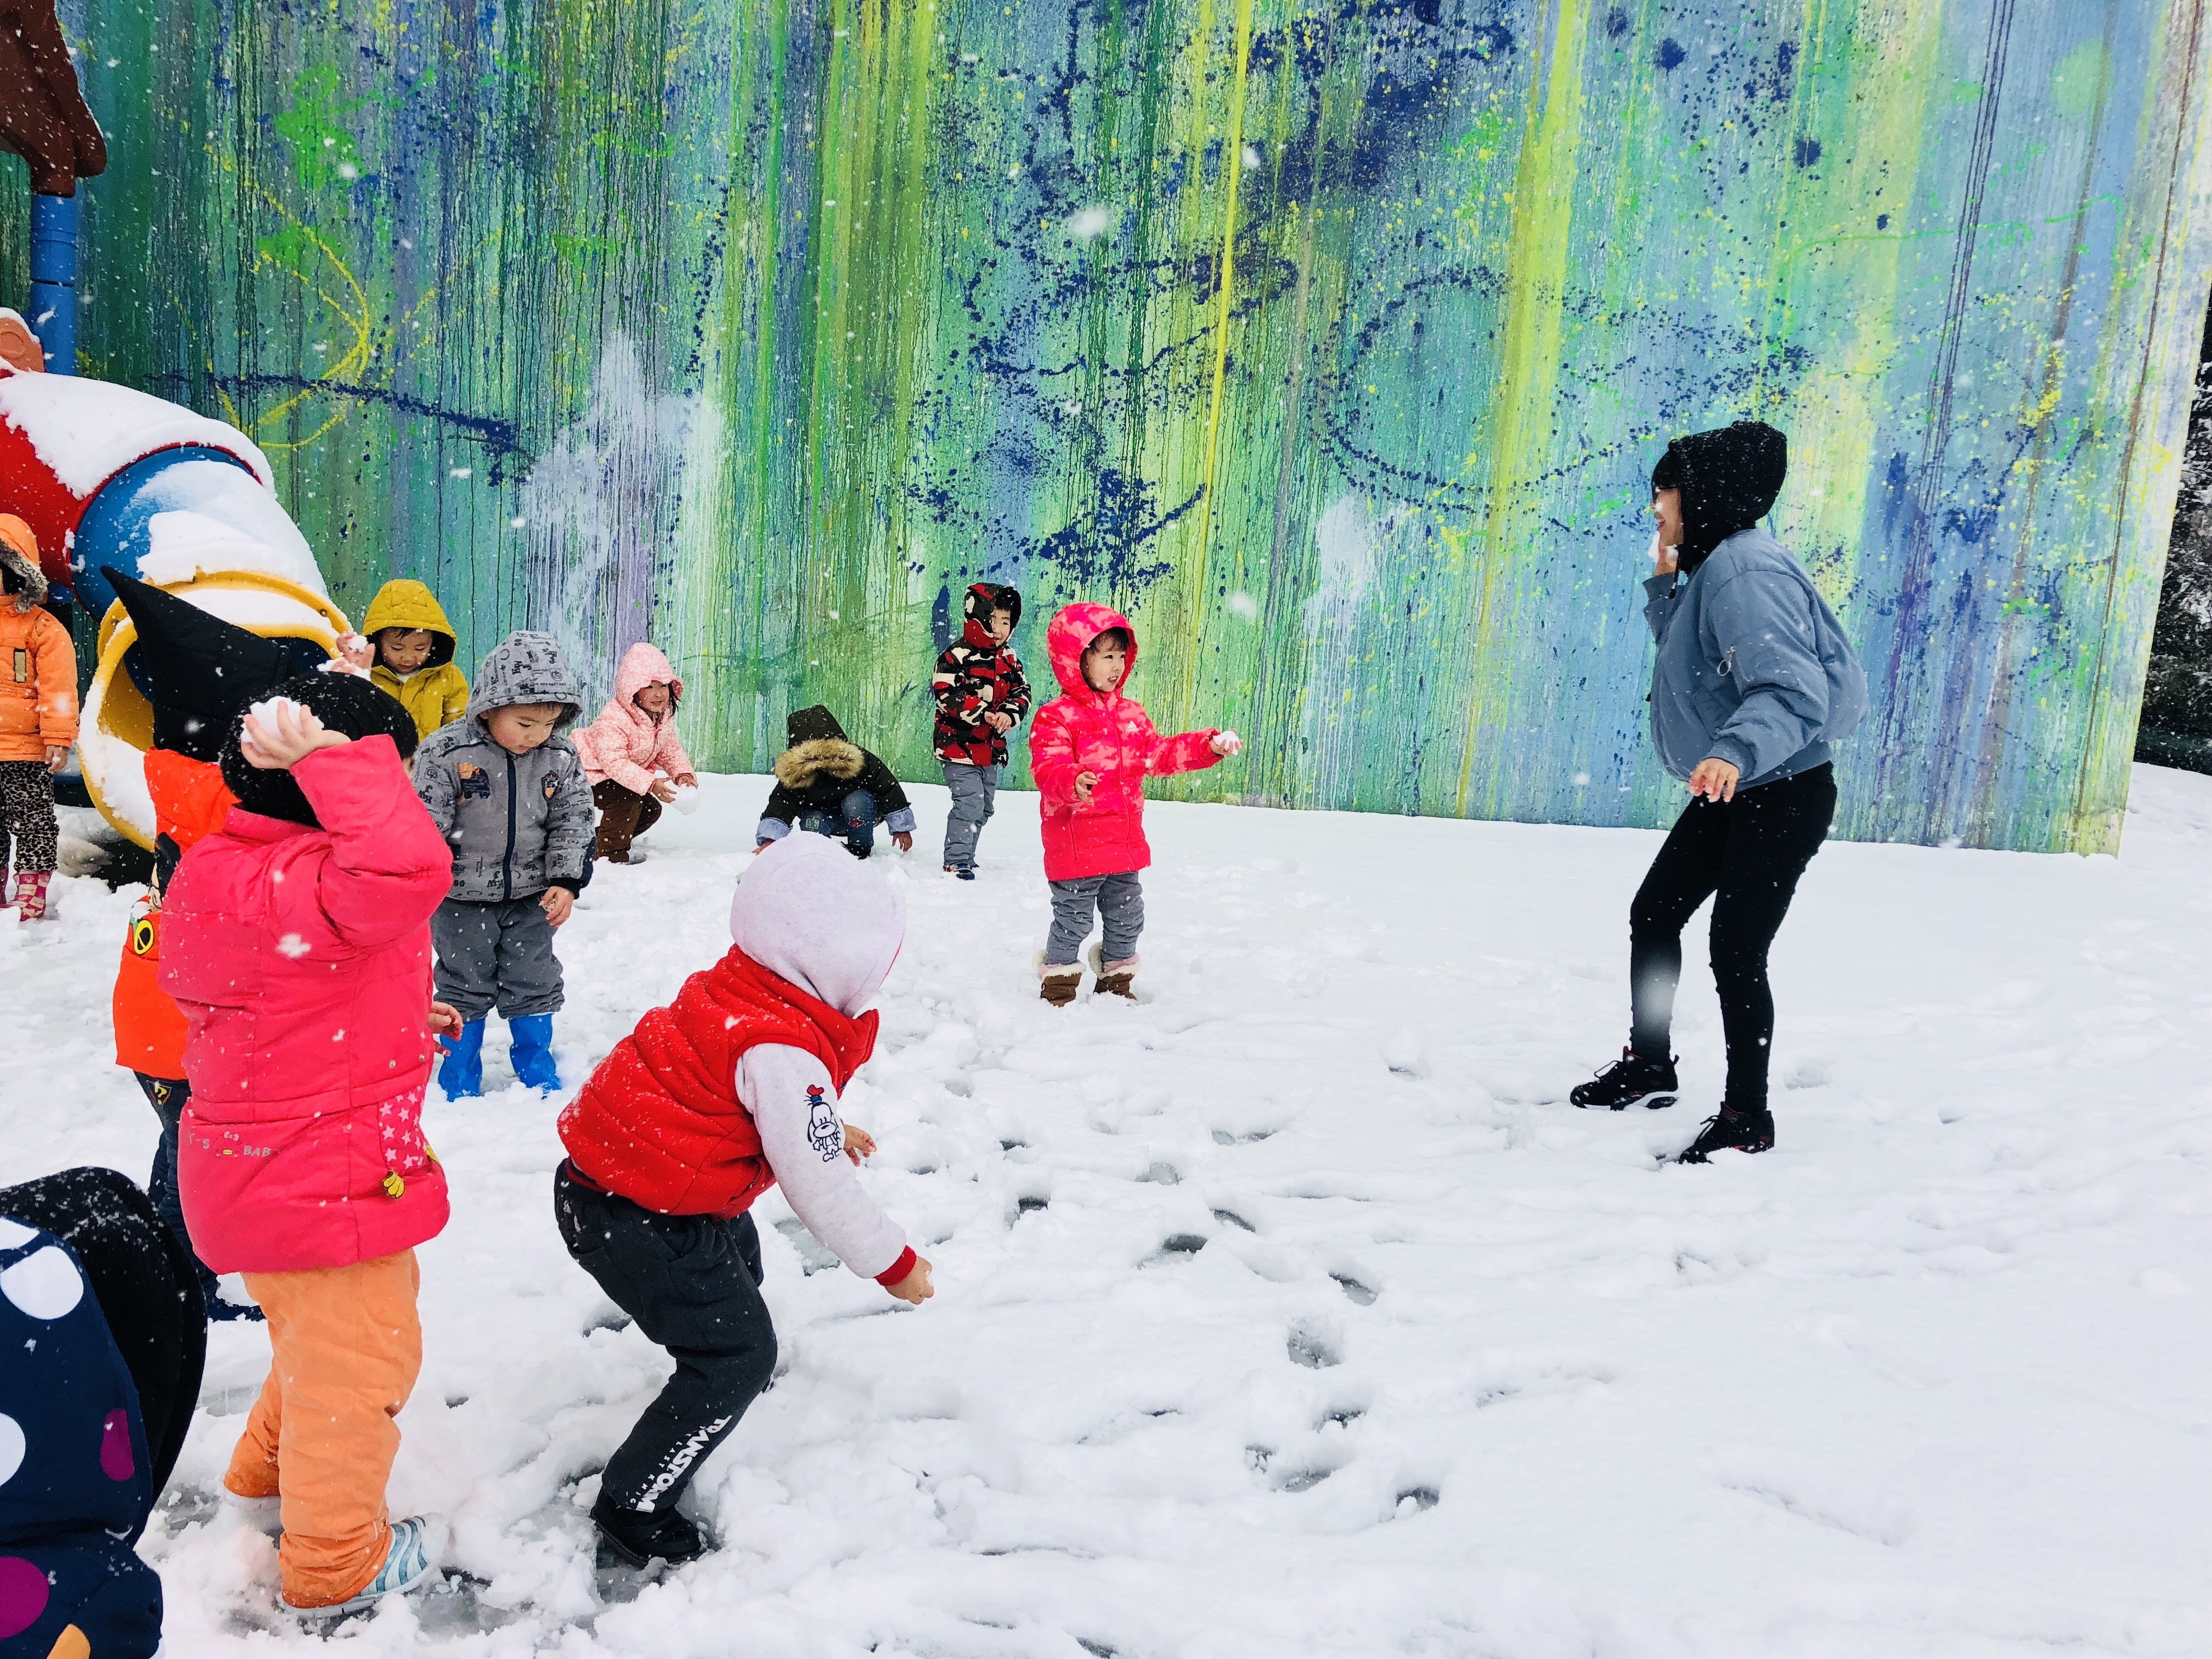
1091, 750
634, 738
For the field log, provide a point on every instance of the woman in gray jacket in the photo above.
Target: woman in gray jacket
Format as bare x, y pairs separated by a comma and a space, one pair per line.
1753, 680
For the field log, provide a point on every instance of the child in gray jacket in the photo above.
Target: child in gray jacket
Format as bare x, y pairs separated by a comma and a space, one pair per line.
509, 790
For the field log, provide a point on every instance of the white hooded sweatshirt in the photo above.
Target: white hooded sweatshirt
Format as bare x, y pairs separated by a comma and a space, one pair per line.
808, 912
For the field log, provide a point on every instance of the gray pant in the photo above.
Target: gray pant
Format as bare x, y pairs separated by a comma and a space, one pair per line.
498, 954
1119, 899
974, 794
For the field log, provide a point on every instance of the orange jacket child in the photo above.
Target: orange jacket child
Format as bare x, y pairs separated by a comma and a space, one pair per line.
38, 716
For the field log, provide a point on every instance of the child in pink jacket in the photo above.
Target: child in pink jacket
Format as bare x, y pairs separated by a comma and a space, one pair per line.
296, 941
634, 738
1091, 750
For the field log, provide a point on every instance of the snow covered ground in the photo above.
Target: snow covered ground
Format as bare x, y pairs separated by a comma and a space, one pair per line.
1293, 1312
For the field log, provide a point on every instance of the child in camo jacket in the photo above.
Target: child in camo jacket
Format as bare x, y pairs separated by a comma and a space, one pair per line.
982, 695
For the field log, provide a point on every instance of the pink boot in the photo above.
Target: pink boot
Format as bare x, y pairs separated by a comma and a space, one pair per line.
31, 894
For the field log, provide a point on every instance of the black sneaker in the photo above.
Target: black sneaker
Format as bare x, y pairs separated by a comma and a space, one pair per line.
639, 1535
1631, 1080
1750, 1130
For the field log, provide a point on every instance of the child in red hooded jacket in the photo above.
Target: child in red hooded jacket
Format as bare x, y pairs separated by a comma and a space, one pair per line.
730, 1088
1090, 751
297, 942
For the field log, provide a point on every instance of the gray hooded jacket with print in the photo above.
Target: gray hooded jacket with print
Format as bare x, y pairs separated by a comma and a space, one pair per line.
1753, 666
518, 823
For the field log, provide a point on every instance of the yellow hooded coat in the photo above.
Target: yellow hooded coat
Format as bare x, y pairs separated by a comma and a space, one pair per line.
436, 694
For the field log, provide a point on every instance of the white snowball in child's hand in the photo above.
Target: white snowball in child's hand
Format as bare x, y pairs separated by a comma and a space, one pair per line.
687, 798
1227, 743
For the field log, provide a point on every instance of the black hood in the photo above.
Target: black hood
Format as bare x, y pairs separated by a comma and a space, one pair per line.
343, 702
196, 669
811, 724
1728, 478
984, 598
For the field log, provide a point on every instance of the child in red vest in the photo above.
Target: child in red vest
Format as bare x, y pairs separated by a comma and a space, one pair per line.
297, 942
1090, 751
728, 1091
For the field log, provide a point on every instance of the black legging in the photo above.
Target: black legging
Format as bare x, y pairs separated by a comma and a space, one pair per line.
1749, 852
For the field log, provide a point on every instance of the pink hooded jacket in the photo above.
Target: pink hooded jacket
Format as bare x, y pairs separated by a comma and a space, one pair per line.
625, 743
301, 960
1105, 732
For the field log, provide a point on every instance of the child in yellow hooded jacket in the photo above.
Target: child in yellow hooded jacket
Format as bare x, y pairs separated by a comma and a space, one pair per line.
413, 644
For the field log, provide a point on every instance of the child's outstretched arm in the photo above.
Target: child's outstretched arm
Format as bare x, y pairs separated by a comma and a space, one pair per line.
1190, 751
1052, 759
793, 1104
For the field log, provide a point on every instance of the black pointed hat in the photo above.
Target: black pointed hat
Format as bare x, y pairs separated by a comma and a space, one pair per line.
196, 669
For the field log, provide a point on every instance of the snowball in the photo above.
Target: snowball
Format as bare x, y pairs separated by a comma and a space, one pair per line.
687, 798
45, 1285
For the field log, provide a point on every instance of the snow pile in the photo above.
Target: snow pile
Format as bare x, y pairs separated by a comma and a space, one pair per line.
87, 431
1290, 1311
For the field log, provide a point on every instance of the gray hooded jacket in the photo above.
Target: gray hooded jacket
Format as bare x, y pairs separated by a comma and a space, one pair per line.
1753, 666
518, 823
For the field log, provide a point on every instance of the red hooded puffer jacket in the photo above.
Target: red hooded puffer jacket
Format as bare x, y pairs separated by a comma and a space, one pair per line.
1107, 734
301, 959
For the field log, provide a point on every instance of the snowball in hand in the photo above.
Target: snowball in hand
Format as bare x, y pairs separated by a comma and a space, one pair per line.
687, 798
1227, 743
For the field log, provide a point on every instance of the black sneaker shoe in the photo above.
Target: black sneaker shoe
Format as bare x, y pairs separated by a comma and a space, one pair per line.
638, 1535
1747, 1131
1631, 1080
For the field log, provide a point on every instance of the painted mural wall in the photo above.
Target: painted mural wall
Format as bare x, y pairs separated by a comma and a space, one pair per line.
1334, 341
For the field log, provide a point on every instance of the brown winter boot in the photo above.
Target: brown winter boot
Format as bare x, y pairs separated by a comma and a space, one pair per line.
1115, 979
31, 894
1058, 985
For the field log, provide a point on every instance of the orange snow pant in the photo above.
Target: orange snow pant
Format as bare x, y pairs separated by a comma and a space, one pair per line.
345, 1346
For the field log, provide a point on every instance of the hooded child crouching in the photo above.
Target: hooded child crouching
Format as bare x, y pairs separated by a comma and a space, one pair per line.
632, 757
1090, 751
507, 789
827, 784
730, 1088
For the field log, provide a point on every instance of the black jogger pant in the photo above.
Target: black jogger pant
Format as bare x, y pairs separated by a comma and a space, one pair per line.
1747, 855
692, 1282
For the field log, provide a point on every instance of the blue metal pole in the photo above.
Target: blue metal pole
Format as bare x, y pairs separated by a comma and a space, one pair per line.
53, 280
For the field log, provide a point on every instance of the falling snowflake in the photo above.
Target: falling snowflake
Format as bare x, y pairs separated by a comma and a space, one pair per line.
294, 946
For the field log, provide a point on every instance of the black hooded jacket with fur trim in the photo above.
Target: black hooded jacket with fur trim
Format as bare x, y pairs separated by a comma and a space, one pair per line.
821, 767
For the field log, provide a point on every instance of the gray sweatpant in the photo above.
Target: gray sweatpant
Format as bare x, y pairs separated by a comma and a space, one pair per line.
975, 792
1120, 901
498, 954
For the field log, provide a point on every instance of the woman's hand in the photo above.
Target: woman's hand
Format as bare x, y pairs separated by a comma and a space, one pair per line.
1228, 744
357, 652
56, 756
1715, 780
859, 1143
1084, 783
689, 781
915, 1287
663, 791
288, 736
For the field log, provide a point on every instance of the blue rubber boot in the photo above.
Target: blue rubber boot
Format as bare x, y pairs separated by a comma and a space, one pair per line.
532, 1053
462, 1075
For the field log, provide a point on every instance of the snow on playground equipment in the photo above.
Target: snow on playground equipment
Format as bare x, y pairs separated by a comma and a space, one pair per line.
104, 475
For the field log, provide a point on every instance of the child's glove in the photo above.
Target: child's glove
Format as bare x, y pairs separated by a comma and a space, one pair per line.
1226, 744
